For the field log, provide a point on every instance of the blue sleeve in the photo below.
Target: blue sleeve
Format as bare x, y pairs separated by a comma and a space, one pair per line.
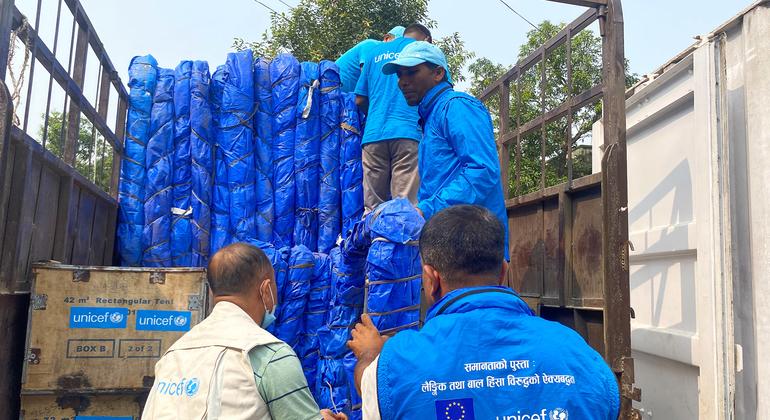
468, 129
362, 87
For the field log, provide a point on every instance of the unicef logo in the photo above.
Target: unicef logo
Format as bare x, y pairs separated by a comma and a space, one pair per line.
116, 317
180, 321
192, 387
559, 414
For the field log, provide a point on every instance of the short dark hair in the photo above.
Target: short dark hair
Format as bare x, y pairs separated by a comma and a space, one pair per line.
235, 268
433, 66
418, 27
463, 240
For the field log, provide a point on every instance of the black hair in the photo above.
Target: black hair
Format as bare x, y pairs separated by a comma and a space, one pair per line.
433, 66
235, 268
417, 27
463, 240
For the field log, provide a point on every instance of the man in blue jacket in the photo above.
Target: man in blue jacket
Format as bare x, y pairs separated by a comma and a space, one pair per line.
458, 161
391, 133
481, 354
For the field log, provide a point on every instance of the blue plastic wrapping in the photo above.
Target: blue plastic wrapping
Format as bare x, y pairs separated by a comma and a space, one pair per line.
181, 212
284, 79
307, 158
393, 268
158, 193
263, 149
202, 162
220, 219
347, 295
315, 313
294, 296
143, 77
351, 169
237, 143
329, 216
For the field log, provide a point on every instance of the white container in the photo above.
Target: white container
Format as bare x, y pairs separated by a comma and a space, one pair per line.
699, 215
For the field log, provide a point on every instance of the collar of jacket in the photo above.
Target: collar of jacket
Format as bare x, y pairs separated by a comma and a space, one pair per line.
430, 98
472, 298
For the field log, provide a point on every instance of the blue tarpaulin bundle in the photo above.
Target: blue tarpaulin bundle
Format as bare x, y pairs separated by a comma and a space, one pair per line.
202, 162
393, 270
237, 143
263, 149
315, 314
351, 170
220, 218
346, 308
158, 194
284, 79
294, 295
181, 230
143, 77
329, 220
307, 158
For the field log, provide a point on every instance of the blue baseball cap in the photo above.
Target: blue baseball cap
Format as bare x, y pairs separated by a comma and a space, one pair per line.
416, 53
397, 31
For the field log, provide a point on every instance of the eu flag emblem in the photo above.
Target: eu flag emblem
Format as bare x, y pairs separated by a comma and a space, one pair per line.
460, 409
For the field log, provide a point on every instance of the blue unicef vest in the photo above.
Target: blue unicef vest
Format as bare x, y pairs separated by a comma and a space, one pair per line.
483, 354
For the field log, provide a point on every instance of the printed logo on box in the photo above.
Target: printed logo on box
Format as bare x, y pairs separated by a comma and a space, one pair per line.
97, 317
150, 320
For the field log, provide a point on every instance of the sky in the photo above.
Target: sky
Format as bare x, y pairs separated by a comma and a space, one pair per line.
173, 30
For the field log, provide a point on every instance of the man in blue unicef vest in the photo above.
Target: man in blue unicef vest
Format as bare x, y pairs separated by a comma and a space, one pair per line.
482, 353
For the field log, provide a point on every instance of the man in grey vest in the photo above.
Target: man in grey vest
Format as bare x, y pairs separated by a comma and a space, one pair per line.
228, 366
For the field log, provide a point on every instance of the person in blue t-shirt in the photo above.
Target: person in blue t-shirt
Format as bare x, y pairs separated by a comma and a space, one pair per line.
458, 160
352, 60
391, 133
482, 353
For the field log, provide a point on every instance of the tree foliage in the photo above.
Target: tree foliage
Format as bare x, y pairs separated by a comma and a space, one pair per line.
93, 156
528, 104
324, 29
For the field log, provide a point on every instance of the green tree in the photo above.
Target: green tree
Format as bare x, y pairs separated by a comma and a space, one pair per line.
586, 58
324, 29
93, 156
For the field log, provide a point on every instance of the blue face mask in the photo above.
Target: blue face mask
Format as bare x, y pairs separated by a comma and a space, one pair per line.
269, 317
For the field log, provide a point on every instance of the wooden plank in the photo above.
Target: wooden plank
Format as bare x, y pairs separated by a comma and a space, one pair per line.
61, 250
526, 236
61, 367
6, 115
72, 134
586, 247
6, 20
503, 148
99, 233
27, 226
44, 234
82, 234
553, 274
72, 222
109, 247
13, 324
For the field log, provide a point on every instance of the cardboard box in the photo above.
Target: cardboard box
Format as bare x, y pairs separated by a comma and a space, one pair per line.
102, 329
82, 407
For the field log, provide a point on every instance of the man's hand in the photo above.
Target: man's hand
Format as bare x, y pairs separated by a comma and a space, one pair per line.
367, 341
329, 415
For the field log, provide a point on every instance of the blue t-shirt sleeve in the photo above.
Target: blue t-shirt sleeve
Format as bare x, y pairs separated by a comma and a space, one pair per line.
468, 129
362, 87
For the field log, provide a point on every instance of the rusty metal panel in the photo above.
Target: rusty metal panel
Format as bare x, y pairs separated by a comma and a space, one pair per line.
586, 250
